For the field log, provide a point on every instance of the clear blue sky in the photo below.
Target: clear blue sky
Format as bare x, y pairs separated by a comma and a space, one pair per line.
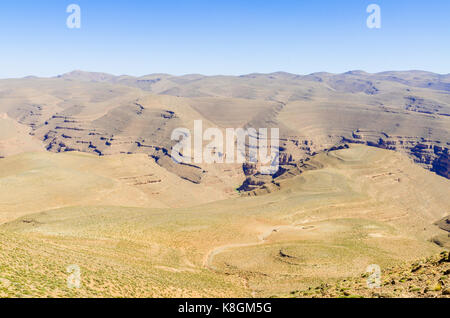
222, 37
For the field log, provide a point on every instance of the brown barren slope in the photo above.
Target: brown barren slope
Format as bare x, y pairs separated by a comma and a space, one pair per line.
364, 206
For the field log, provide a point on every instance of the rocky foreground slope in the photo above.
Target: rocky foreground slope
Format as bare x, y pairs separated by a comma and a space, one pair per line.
427, 278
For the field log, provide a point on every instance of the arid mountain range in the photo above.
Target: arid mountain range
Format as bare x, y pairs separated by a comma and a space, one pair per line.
104, 114
87, 179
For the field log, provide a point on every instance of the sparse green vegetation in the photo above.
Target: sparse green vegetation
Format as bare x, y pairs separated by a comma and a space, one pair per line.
322, 228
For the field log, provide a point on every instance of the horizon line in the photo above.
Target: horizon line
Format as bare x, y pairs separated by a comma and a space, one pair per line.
222, 75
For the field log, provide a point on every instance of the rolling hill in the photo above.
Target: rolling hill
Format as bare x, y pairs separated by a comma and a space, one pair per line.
87, 179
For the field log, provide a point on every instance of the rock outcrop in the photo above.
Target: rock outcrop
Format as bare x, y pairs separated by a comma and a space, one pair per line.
426, 278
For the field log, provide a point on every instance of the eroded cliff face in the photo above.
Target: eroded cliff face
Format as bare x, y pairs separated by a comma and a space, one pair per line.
441, 165
101, 114
430, 154
295, 155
